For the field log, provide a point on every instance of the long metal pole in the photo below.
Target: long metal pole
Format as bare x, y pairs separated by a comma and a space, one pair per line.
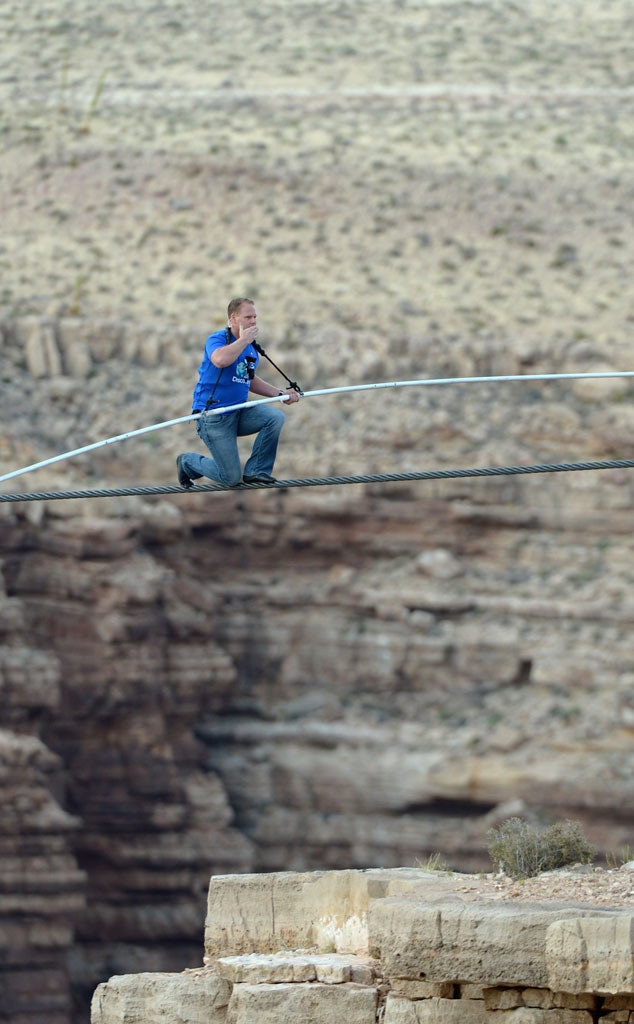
428, 382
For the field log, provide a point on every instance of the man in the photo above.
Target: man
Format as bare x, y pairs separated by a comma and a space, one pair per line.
225, 377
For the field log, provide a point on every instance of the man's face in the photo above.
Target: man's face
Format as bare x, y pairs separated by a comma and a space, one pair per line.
244, 318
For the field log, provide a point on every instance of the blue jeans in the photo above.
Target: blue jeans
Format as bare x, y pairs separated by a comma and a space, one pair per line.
221, 433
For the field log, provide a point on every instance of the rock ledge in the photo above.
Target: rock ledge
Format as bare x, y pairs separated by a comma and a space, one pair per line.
404, 946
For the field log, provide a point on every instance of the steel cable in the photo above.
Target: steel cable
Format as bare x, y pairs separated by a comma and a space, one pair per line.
320, 481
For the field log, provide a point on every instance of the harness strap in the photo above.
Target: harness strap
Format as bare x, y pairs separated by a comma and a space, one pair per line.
210, 400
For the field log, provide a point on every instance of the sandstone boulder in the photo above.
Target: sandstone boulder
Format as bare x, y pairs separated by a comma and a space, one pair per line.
188, 998
316, 1003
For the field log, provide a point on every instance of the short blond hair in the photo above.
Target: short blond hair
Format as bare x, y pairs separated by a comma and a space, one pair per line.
236, 305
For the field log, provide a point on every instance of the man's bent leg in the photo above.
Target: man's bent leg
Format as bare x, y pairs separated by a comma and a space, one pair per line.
219, 435
267, 423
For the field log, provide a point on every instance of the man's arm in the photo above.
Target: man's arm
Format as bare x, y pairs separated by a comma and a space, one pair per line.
261, 387
225, 355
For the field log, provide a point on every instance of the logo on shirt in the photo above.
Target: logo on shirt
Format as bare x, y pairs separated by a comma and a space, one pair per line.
245, 370
240, 376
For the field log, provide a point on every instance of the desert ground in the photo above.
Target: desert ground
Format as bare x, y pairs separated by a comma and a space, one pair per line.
421, 169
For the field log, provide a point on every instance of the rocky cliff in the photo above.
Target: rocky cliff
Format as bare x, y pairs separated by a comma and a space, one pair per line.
401, 947
256, 681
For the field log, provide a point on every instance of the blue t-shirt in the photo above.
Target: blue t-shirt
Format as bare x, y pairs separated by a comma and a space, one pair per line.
233, 381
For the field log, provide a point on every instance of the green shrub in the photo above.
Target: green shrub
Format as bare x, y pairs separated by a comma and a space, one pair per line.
521, 851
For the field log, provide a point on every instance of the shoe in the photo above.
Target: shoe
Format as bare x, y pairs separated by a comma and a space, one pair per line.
259, 478
183, 479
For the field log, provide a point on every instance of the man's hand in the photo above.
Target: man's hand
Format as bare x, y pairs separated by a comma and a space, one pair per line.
227, 354
293, 396
248, 335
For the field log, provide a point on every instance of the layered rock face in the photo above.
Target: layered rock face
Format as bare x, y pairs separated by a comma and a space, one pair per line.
304, 679
402, 947
42, 889
122, 880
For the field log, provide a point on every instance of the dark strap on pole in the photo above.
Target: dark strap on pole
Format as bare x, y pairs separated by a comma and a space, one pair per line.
291, 383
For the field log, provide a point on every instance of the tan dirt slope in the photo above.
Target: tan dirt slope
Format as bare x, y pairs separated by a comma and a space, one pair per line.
399, 167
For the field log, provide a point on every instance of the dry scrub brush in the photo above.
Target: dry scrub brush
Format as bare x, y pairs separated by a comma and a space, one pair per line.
521, 851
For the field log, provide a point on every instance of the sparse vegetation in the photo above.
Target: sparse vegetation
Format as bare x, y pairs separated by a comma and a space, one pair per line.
621, 857
66, 106
434, 862
520, 850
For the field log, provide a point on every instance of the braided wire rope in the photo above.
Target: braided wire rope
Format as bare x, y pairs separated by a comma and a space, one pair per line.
320, 481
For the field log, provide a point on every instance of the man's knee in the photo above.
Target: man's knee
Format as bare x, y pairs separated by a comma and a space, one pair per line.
232, 478
277, 418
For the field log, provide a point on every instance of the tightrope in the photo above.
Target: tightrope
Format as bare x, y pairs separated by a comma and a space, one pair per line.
320, 481
425, 382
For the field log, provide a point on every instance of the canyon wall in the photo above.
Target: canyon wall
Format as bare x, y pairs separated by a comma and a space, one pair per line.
333, 677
